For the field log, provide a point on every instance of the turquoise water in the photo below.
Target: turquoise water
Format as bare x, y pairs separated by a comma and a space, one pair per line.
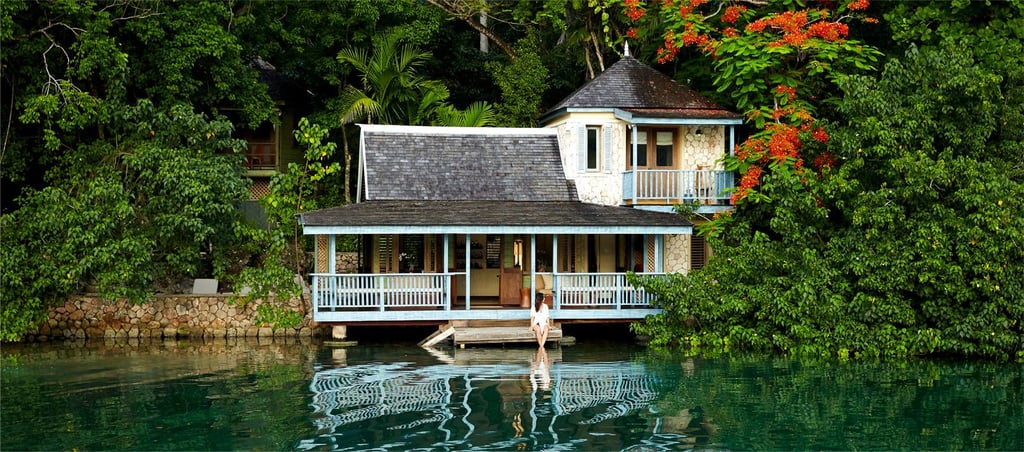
246, 395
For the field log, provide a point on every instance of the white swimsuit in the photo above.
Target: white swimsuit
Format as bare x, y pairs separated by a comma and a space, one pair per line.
540, 317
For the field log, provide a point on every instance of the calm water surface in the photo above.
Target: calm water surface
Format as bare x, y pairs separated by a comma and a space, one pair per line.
246, 395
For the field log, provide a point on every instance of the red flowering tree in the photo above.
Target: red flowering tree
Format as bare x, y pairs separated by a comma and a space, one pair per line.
777, 61
898, 237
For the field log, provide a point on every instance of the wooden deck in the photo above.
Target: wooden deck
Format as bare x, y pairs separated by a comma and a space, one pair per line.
476, 332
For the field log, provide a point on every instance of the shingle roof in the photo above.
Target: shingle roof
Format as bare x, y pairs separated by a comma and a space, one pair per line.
456, 163
630, 84
530, 215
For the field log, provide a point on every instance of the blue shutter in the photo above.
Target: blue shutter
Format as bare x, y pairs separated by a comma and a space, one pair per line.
581, 148
606, 148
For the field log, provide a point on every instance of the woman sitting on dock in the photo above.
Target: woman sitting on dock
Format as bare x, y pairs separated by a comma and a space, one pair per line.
539, 320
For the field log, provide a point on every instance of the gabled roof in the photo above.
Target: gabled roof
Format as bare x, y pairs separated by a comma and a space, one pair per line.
462, 163
641, 90
444, 180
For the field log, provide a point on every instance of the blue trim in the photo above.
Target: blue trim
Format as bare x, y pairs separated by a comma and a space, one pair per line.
481, 314
496, 229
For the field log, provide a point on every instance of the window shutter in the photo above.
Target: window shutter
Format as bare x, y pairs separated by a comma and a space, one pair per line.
698, 252
606, 148
385, 251
581, 148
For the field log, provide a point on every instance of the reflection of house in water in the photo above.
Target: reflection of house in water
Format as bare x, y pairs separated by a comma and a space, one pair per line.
495, 401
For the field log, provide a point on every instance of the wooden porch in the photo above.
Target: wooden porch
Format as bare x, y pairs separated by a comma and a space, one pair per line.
433, 297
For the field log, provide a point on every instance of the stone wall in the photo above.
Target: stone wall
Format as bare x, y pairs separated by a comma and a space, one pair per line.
677, 253
167, 317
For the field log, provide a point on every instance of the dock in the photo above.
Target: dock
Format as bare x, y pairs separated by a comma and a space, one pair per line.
484, 332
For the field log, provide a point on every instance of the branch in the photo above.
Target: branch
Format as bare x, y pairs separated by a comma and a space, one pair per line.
456, 9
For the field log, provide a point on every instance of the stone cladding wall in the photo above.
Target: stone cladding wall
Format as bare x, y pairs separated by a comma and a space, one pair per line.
167, 317
677, 253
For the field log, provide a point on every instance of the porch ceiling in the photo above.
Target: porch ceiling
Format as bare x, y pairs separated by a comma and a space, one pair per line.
493, 217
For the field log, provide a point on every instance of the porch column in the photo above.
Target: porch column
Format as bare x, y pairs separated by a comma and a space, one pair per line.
332, 263
466, 254
732, 140
447, 292
554, 271
659, 251
633, 146
533, 268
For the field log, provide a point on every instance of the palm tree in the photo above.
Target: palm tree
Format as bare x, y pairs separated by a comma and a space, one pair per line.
392, 92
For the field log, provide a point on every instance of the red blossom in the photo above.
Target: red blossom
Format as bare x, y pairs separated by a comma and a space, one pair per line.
632, 33
789, 91
732, 14
826, 160
856, 5
820, 135
784, 143
633, 9
829, 31
751, 178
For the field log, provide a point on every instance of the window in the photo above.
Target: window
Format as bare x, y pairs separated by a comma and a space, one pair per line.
657, 145
593, 148
261, 142
663, 147
261, 152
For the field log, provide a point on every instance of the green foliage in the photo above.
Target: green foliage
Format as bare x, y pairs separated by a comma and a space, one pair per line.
154, 204
909, 247
295, 191
291, 192
522, 82
392, 91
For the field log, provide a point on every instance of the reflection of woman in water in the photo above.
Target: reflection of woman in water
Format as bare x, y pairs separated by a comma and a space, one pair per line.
540, 370
539, 320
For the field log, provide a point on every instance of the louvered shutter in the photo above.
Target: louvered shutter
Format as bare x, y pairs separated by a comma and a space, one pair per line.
581, 148
606, 148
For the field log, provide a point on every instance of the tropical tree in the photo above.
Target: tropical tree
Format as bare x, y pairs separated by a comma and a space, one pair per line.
117, 177
869, 224
156, 204
391, 91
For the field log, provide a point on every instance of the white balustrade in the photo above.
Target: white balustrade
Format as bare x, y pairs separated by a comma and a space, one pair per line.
673, 186
598, 290
381, 291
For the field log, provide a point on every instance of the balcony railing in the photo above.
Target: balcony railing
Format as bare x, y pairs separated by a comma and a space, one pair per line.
386, 293
677, 186
261, 156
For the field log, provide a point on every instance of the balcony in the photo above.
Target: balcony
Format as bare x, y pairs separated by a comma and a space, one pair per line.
668, 187
261, 156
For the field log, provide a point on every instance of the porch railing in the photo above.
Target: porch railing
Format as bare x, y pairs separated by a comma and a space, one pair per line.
433, 291
678, 186
334, 292
598, 290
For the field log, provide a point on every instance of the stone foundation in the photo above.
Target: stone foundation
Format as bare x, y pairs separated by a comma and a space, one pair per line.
166, 317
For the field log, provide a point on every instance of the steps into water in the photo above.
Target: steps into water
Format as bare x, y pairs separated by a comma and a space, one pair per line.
471, 332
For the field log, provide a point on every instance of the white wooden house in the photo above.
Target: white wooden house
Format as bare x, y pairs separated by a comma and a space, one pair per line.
470, 223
